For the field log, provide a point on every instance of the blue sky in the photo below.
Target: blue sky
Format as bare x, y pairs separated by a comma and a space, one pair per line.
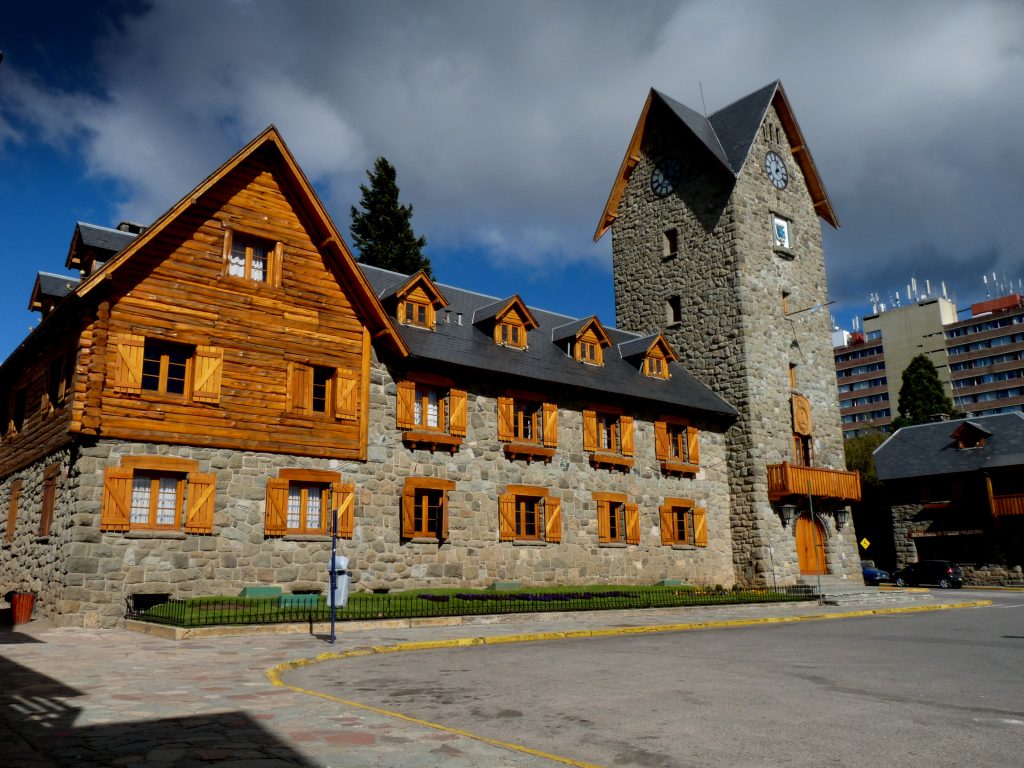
507, 122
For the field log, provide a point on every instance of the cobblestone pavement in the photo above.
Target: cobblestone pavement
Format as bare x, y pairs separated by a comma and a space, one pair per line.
78, 697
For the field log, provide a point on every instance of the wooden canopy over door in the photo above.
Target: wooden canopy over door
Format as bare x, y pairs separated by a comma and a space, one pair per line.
810, 546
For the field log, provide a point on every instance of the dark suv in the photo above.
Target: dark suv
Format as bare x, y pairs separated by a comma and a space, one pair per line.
941, 572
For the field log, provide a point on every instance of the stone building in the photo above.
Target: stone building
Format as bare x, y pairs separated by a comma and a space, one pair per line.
210, 394
717, 244
956, 492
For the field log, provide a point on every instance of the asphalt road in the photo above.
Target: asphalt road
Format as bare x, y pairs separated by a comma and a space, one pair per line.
929, 689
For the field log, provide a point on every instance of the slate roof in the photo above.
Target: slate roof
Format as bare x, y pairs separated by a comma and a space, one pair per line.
924, 450
544, 362
637, 346
103, 238
57, 286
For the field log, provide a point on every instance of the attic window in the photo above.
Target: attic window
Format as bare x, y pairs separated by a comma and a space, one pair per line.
251, 258
589, 351
655, 365
969, 435
418, 313
511, 333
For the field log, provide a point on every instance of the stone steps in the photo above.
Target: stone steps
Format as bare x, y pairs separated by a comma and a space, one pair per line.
836, 590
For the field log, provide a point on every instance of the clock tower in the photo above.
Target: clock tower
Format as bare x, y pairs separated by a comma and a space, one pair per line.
716, 241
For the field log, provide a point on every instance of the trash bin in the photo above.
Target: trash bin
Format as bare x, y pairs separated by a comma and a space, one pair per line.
340, 583
21, 607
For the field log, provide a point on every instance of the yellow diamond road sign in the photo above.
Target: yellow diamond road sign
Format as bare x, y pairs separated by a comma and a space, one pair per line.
865, 543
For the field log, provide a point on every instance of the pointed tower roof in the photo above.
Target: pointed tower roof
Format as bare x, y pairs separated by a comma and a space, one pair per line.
728, 135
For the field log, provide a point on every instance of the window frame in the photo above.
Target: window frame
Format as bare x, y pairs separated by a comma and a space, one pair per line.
677, 445
337, 503
156, 489
670, 243
163, 349
618, 519
512, 515
452, 412
694, 518
195, 498
417, 494
783, 241
608, 436
274, 255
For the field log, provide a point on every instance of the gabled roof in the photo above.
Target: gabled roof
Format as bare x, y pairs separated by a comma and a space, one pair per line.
49, 285
576, 329
925, 450
420, 278
544, 364
104, 242
642, 347
301, 192
728, 135
497, 310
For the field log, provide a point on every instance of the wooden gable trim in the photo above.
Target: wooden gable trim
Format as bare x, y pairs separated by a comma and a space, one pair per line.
423, 280
595, 325
363, 297
629, 162
802, 157
515, 302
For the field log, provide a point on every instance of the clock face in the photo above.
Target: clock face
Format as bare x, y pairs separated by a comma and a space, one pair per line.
776, 170
666, 176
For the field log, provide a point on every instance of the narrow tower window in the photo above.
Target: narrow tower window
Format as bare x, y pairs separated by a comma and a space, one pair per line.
670, 243
673, 310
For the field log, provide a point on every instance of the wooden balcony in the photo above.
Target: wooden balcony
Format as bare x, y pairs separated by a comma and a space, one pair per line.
792, 480
1004, 506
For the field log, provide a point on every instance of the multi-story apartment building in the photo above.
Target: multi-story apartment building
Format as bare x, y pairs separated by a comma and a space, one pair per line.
980, 359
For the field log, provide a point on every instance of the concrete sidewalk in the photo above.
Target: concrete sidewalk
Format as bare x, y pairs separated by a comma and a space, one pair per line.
118, 698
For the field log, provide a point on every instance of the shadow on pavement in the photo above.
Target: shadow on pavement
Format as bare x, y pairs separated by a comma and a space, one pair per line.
38, 728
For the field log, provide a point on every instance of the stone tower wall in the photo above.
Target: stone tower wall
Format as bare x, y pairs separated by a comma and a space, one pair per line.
733, 333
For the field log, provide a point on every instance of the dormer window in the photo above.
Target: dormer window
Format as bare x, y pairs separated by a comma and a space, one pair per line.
511, 334
508, 321
970, 435
583, 340
650, 354
418, 313
417, 302
589, 351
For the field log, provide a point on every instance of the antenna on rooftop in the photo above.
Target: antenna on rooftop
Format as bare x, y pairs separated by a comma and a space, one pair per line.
705, 106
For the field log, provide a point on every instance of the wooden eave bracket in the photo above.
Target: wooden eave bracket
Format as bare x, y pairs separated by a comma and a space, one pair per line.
431, 441
611, 460
529, 451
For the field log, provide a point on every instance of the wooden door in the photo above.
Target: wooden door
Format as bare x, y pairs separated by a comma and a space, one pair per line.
810, 546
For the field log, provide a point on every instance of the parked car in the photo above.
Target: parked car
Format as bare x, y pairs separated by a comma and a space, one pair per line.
872, 575
941, 572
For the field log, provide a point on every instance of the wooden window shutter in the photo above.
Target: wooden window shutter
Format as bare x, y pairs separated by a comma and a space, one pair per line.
50, 476
700, 527
553, 520
128, 369
408, 512
692, 445
506, 517
551, 425
661, 445
276, 265
406, 405
300, 388
276, 522
632, 524
589, 431
626, 425
443, 526
344, 497
457, 412
12, 508
202, 492
505, 415
667, 517
603, 529
117, 499
209, 365
345, 384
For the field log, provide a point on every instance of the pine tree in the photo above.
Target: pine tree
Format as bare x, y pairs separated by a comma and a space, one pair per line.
922, 396
382, 230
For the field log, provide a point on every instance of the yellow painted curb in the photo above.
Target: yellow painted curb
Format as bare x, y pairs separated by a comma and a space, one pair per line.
274, 673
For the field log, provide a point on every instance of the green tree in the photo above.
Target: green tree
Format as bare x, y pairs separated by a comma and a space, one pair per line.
382, 230
860, 456
922, 396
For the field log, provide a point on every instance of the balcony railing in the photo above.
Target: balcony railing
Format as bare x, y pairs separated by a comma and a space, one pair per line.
1012, 504
793, 480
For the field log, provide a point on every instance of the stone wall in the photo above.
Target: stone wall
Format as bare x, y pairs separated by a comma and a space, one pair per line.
99, 568
733, 333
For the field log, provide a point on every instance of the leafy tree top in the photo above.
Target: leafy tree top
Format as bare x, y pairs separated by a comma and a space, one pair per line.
860, 456
922, 396
382, 229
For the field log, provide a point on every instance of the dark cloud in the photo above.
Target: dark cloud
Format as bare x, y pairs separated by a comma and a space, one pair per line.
507, 121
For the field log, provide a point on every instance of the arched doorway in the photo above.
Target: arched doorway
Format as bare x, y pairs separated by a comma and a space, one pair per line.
810, 546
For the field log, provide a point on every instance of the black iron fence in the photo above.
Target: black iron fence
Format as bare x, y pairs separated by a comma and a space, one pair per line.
213, 611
